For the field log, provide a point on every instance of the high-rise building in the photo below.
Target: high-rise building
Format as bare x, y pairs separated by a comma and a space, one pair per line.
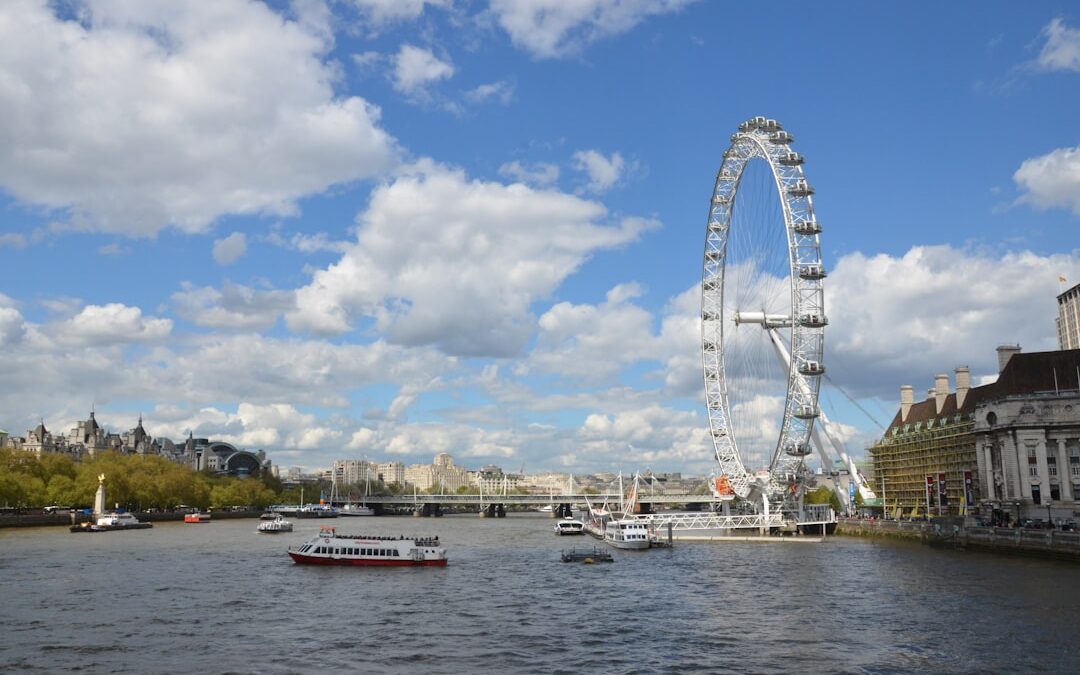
1068, 321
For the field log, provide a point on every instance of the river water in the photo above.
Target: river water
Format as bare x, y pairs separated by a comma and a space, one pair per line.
219, 598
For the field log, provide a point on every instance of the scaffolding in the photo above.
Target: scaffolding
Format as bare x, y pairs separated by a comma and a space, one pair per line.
907, 454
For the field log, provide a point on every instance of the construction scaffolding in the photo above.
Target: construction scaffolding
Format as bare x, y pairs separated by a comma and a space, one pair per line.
909, 453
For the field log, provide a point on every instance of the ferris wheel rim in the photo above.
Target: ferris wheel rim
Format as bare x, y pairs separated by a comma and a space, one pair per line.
763, 139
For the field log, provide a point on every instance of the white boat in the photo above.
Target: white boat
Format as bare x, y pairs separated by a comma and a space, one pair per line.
627, 534
546, 509
278, 524
330, 548
569, 526
356, 510
317, 511
107, 522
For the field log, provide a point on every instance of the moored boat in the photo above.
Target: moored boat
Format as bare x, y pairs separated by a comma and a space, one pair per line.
275, 526
317, 511
627, 534
197, 517
331, 548
356, 510
109, 522
569, 526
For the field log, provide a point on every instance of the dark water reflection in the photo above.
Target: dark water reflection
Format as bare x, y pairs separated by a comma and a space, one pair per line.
218, 598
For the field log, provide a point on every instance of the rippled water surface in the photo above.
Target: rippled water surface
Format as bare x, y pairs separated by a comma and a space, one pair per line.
219, 598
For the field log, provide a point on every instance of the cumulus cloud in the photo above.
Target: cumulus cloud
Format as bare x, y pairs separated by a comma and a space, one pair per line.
556, 28
892, 319
415, 68
444, 260
138, 116
1051, 180
111, 324
603, 172
500, 92
233, 306
541, 173
380, 12
13, 239
230, 249
594, 342
1062, 48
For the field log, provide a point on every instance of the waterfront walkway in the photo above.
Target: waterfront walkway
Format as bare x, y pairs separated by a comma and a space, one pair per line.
1045, 543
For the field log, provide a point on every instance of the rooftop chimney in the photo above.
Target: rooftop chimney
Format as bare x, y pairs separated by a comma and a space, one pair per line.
963, 385
1006, 352
907, 398
941, 392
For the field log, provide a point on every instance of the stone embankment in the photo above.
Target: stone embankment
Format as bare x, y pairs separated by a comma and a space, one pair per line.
47, 519
951, 533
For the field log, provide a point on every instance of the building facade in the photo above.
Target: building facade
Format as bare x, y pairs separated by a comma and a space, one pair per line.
1068, 321
441, 472
939, 455
1027, 438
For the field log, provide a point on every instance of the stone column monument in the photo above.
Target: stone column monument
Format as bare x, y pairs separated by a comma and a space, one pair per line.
99, 498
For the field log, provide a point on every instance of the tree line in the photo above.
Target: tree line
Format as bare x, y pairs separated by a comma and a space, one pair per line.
134, 482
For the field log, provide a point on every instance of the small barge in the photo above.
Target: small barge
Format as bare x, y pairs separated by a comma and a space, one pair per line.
587, 557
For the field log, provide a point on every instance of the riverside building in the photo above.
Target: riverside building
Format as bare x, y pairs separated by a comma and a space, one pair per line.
1068, 321
939, 455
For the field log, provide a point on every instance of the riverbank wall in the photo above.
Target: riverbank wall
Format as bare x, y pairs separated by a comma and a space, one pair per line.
58, 519
952, 534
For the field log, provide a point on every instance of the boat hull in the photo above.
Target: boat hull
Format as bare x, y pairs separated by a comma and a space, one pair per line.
302, 559
628, 545
110, 528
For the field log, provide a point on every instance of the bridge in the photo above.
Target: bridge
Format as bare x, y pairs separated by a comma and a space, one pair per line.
706, 516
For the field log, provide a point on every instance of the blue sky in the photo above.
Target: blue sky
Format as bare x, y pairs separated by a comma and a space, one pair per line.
385, 229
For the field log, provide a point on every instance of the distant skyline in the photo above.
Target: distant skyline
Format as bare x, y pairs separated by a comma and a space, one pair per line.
362, 228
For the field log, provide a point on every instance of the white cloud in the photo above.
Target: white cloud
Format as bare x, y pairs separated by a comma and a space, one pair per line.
594, 342
380, 12
1051, 180
113, 323
501, 91
1062, 48
233, 306
114, 249
415, 68
541, 173
307, 243
12, 326
230, 249
554, 28
12, 239
603, 172
900, 320
138, 116
448, 261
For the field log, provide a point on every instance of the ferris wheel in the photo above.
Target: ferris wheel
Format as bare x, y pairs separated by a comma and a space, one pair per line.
763, 317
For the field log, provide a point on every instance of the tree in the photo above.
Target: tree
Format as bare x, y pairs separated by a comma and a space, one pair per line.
824, 495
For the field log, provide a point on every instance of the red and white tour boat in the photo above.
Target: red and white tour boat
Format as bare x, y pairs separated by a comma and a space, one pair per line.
331, 548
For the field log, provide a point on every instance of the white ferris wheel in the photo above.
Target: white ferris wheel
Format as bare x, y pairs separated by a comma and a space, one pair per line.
763, 317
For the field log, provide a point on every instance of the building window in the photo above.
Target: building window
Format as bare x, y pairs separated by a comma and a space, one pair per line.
1036, 494
1055, 493
1033, 471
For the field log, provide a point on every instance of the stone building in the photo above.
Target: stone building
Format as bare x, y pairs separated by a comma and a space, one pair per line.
1068, 321
441, 472
934, 452
1027, 437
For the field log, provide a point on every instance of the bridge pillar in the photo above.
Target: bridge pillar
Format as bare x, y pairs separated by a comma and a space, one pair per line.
500, 510
436, 510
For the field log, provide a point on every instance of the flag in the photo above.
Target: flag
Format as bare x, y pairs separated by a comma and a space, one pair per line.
1061, 278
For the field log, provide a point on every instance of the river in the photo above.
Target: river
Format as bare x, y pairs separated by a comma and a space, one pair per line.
219, 598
